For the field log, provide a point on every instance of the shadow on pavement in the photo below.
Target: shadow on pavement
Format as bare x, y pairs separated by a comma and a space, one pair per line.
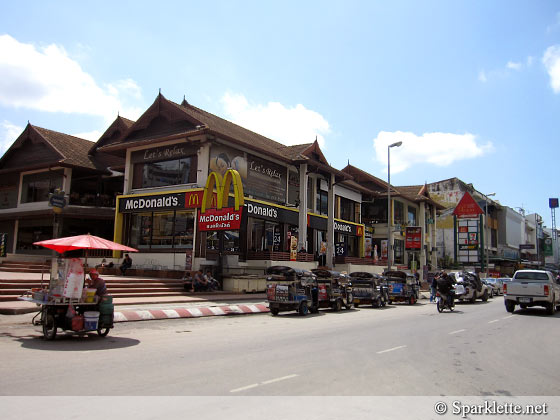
72, 342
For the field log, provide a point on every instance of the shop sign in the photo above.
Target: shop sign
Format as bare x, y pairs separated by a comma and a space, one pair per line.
413, 238
467, 207
57, 199
175, 151
152, 202
220, 219
340, 249
547, 249
276, 214
527, 246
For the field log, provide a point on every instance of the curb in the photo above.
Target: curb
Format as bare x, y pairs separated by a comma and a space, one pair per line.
199, 312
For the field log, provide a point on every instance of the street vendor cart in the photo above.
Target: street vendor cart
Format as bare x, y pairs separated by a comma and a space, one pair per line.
66, 304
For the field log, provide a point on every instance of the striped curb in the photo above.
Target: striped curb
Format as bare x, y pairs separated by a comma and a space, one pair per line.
199, 312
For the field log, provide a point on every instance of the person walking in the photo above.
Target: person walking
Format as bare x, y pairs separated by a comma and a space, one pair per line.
433, 289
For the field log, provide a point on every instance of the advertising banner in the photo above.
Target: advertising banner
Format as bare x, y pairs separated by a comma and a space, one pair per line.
413, 238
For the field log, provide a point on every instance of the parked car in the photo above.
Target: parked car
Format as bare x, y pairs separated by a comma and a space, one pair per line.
530, 288
474, 288
493, 290
497, 284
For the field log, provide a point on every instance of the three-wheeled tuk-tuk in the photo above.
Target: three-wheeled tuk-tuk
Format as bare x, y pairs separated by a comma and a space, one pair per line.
334, 290
367, 288
402, 286
290, 289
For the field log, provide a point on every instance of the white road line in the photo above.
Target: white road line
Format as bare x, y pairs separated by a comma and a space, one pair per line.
393, 349
508, 317
495, 320
458, 331
270, 381
244, 388
283, 378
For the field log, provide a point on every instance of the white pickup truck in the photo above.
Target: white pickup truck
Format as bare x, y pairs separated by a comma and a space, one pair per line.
532, 288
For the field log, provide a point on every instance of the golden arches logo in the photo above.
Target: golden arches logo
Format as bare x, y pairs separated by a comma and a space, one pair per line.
222, 186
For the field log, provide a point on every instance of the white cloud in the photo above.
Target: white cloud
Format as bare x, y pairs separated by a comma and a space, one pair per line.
530, 60
482, 76
47, 79
551, 60
440, 149
289, 126
513, 66
89, 135
8, 133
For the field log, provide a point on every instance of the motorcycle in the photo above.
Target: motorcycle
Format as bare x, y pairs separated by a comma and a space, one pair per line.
444, 302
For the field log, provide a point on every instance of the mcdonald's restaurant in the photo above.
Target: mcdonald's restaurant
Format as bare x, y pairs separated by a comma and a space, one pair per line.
201, 192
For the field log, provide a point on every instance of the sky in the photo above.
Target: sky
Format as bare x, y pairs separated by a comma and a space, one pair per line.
471, 88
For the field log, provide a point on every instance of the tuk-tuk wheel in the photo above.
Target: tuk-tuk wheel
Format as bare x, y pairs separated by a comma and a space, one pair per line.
49, 327
376, 303
103, 331
411, 300
337, 306
356, 304
303, 309
274, 311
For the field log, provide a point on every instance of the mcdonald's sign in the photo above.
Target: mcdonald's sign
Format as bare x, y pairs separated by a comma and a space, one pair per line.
221, 218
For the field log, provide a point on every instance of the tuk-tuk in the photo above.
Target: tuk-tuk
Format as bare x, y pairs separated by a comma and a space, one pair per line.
334, 290
403, 287
368, 288
290, 289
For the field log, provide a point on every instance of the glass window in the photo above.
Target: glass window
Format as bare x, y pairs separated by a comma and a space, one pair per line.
347, 209
167, 172
375, 212
162, 230
411, 216
398, 212
231, 240
322, 206
37, 187
212, 240
399, 251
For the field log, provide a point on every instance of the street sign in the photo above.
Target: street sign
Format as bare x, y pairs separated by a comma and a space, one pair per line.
467, 207
57, 199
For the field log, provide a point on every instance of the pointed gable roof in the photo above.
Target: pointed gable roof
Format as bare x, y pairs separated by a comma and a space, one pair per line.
113, 133
38, 147
369, 181
418, 193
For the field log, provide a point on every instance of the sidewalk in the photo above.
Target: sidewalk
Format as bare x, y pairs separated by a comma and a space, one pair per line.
188, 305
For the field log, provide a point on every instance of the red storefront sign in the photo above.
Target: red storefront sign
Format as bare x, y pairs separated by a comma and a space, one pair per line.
222, 219
467, 207
413, 238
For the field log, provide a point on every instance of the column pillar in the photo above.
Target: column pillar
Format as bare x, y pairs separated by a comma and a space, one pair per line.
302, 222
330, 224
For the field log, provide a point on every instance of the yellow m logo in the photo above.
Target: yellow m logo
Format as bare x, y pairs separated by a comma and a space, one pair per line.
222, 186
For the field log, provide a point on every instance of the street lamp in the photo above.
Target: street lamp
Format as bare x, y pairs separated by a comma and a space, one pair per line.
389, 218
486, 229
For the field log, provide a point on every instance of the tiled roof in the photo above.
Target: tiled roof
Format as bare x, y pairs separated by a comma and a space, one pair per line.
74, 150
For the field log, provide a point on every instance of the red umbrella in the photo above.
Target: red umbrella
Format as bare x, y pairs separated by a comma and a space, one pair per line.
82, 242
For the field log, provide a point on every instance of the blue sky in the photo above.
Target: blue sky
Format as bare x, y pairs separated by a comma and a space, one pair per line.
472, 88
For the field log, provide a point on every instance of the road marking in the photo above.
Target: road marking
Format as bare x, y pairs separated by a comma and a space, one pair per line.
283, 378
244, 388
508, 317
495, 320
458, 331
270, 381
388, 350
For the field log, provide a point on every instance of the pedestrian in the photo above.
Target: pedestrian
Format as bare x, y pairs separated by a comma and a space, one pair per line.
212, 283
200, 284
433, 288
126, 264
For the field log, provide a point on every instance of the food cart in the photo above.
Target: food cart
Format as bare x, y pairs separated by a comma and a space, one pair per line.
66, 304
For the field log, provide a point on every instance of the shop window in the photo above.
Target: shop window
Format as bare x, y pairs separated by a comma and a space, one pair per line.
264, 235
33, 230
347, 211
375, 212
399, 251
411, 216
37, 187
398, 212
231, 241
212, 240
167, 172
309, 194
162, 230
322, 206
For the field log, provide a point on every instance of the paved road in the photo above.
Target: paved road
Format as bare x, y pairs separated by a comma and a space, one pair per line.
479, 349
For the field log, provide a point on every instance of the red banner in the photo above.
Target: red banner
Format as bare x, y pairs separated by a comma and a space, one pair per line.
413, 239
222, 219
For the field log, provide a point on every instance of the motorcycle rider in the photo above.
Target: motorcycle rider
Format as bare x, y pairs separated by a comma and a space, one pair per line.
445, 284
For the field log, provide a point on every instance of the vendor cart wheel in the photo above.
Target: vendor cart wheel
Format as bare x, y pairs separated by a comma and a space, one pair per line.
49, 327
274, 311
303, 309
103, 331
411, 300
